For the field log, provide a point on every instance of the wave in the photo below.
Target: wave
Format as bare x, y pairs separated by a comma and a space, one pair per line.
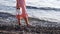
6, 15
43, 8
3, 7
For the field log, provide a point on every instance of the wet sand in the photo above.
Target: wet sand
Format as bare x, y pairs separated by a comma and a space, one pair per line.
9, 25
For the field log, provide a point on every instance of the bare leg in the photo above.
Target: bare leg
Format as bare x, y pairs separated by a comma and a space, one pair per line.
26, 20
18, 18
19, 22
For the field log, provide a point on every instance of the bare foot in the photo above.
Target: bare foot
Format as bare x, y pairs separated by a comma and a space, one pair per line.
29, 25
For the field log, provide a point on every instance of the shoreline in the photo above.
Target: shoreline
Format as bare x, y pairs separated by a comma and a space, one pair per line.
9, 24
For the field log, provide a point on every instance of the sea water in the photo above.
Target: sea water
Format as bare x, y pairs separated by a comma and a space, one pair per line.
42, 9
